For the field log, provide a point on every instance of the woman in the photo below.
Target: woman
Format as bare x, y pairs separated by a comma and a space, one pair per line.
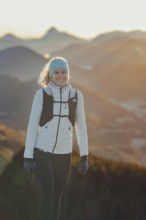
56, 109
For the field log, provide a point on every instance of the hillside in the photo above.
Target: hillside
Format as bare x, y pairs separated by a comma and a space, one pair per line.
21, 62
109, 191
11, 142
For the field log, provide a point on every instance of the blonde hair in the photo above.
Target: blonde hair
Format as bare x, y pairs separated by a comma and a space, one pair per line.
44, 77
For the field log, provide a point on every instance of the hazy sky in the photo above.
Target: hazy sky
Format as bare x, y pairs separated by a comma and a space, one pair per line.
84, 18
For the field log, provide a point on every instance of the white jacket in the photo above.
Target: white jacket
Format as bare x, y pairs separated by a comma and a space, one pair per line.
55, 135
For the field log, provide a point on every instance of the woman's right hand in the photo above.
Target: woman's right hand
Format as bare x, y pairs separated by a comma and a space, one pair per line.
29, 168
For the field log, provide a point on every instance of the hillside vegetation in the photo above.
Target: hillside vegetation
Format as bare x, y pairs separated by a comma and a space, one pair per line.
110, 191
11, 142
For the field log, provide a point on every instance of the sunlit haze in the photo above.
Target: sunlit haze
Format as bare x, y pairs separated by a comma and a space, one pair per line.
86, 19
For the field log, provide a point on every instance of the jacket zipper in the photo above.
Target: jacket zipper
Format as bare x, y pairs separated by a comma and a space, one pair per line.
58, 121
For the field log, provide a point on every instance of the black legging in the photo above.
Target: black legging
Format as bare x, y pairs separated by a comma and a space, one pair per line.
52, 173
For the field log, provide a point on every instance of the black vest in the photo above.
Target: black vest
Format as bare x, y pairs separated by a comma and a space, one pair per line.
47, 111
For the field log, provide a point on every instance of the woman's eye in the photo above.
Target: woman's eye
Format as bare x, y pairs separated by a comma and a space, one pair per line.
63, 72
56, 73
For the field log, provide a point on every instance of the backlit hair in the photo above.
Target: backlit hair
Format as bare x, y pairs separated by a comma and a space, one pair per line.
44, 77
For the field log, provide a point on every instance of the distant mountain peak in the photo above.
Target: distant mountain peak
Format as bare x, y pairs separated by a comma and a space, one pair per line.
10, 36
51, 31
138, 34
54, 34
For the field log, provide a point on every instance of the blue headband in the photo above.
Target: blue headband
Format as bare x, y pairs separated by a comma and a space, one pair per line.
58, 63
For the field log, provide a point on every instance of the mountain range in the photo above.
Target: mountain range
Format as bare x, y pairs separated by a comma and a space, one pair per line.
110, 70
51, 41
113, 64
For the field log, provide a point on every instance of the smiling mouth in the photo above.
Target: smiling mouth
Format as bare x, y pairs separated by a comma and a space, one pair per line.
60, 80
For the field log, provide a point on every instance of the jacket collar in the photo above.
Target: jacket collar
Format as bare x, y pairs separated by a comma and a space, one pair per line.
53, 89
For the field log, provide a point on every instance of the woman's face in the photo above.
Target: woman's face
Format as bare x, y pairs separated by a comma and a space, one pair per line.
60, 77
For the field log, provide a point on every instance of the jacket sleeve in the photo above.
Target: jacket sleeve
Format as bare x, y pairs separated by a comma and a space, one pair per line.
80, 126
33, 124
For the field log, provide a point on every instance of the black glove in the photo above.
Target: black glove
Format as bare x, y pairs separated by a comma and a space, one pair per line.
29, 168
83, 165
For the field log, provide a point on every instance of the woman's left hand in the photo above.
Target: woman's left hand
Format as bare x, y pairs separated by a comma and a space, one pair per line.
83, 166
